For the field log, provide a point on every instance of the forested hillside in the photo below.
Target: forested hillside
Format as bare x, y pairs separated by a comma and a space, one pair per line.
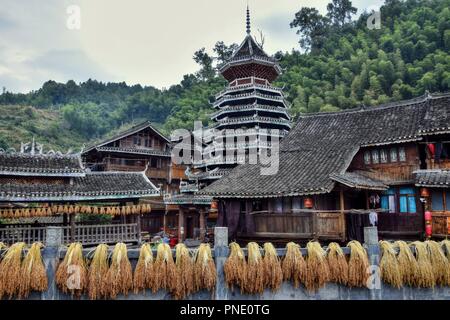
339, 64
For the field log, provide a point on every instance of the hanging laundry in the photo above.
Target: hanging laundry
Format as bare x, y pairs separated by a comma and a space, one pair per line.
438, 151
431, 149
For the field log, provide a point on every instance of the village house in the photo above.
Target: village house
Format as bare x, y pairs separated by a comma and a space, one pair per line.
335, 168
143, 148
36, 187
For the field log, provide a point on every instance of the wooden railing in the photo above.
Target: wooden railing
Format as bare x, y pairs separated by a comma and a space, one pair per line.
297, 225
11, 234
86, 234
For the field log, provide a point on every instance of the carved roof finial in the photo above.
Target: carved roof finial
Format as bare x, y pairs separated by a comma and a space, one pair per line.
248, 20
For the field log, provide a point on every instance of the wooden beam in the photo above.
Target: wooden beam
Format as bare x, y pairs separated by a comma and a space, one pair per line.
341, 200
72, 227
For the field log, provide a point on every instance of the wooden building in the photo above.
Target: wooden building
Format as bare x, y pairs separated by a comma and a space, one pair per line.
249, 111
335, 168
142, 148
35, 184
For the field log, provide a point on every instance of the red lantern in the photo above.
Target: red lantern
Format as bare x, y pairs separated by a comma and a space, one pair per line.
214, 205
308, 203
424, 192
428, 230
427, 216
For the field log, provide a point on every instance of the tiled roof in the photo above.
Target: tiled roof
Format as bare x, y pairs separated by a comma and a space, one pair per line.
187, 199
54, 165
358, 180
133, 130
93, 186
433, 178
324, 144
145, 151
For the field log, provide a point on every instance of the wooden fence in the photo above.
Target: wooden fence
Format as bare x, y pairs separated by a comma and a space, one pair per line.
86, 234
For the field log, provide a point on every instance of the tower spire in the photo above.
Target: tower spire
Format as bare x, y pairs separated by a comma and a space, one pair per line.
248, 20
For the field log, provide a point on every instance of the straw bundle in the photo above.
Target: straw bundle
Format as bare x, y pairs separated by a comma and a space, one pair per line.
33, 274
235, 267
317, 269
185, 272
439, 262
273, 275
293, 265
255, 271
389, 266
204, 269
338, 264
426, 278
407, 263
165, 275
119, 277
10, 270
143, 273
97, 273
358, 265
71, 274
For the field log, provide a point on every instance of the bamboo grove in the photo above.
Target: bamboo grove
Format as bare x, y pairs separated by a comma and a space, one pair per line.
101, 273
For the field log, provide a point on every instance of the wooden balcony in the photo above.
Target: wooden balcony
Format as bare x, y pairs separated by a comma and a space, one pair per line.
303, 224
443, 164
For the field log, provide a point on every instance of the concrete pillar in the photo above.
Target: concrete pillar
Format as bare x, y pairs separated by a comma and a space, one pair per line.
181, 225
221, 253
202, 224
373, 251
50, 256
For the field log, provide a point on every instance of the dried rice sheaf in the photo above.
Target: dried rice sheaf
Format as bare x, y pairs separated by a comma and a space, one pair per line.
34, 275
119, 278
255, 271
294, 265
235, 267
425, 278
204, 269
10, 270
185, 272
439, 262
71, 274
98, 269
273, 274
389, 266
317, 269
165, 273
338, 264
407, 264
358, 265
143, 273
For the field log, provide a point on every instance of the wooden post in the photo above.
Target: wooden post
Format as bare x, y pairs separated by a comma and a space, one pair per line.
164, 220
72, 227
181, 225
341, 200
220, 255
202, 224
139, 231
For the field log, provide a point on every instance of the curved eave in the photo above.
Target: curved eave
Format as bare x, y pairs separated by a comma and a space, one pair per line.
248, 60
42, 174
224, 111
76, 197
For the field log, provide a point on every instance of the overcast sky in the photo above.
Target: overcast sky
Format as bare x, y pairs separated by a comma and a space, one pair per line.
138, 41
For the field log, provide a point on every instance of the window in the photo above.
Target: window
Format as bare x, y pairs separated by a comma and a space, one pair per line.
401, 154
154, 162
407, 200
383, 156
440, 200
367, 157
375, 156
388, 200
393, 154
148, 142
